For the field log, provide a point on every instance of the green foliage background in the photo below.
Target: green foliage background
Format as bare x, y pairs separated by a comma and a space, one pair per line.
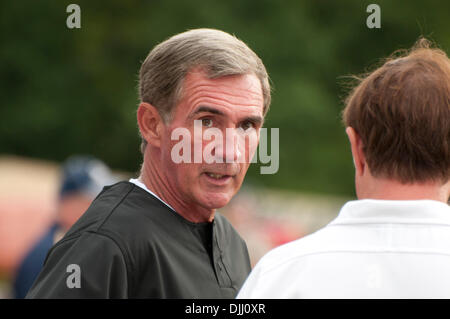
69, 91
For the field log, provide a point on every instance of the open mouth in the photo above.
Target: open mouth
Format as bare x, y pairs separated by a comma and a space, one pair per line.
217, 176
218, 179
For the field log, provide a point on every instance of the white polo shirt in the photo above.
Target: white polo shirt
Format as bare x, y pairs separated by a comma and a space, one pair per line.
373, 249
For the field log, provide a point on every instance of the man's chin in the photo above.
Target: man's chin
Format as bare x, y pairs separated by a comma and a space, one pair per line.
215, 201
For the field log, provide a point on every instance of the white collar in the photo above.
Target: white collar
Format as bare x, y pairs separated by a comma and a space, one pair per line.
137, 182
393, 211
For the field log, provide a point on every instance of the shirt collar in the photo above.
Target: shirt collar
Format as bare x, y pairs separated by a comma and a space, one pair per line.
137, 182
393, 211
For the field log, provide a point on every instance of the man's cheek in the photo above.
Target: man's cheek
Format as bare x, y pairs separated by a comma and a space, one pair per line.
252, 152
249, 146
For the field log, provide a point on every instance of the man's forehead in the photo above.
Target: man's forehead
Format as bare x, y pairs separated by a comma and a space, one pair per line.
246, 86
244, 82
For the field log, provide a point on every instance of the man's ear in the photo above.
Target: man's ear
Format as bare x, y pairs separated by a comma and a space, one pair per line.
150, 123
359, 159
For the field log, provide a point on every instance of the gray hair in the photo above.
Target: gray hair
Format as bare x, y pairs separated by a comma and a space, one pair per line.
215, 52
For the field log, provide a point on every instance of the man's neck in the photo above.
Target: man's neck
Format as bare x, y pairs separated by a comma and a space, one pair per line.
152, 178
393, 190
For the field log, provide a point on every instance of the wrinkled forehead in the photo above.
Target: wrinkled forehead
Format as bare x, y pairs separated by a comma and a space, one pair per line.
239, 90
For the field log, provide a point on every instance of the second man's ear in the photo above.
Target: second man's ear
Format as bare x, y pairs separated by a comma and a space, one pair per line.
150, 124
359, 159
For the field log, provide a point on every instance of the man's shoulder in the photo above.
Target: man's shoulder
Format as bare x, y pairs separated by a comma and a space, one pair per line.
120, 210
284, 264
295, 252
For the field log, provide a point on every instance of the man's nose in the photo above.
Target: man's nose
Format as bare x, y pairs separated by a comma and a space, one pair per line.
229, 149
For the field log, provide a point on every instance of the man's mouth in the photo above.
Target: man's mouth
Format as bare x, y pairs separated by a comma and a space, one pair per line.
221, 175
216, 176
218, 179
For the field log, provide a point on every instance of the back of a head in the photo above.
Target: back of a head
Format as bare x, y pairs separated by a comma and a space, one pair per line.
401, 111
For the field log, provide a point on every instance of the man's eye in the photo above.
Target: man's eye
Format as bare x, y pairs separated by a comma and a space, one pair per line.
246, 125
207, 122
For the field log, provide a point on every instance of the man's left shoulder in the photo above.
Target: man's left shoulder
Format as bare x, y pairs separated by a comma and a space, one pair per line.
296, 251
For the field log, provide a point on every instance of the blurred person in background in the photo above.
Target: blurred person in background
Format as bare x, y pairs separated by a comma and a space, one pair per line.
260, 232
393, 242
159, 235
82, 179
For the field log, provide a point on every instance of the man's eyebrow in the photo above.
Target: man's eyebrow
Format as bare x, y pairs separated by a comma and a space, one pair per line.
255, 119
206, 109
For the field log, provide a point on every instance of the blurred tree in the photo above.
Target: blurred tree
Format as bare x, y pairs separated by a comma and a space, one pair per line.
70, 91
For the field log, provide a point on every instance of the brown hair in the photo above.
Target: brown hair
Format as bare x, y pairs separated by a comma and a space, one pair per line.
216, 52
401, 111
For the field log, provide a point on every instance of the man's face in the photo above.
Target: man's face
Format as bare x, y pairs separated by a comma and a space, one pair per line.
232, 106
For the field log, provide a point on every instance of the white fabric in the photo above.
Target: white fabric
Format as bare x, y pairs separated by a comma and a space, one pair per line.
373, 249
137, 182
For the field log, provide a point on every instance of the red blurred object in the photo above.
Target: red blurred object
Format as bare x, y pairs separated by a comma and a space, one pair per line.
27, 190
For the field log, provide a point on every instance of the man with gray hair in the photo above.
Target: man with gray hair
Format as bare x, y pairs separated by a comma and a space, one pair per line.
159, 235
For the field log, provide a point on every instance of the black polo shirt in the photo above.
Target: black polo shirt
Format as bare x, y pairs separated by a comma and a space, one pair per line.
129, 244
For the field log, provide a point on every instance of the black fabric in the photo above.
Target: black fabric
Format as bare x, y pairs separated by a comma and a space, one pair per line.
204, 233
129, 244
